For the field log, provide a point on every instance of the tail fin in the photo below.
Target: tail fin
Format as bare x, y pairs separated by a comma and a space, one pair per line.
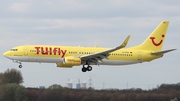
155, 40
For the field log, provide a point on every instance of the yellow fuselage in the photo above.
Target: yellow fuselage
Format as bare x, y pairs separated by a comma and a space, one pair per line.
42, 53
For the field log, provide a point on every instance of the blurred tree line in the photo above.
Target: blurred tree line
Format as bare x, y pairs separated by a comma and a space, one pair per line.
13, 91
11, 76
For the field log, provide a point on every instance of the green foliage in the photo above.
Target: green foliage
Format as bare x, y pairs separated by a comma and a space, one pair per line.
21, 94
11, 76
14, 92
56, 93
34, 93
170, 86
53, 93
55, 86
1, 92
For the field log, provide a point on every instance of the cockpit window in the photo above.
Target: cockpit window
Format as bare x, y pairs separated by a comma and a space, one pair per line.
14, 49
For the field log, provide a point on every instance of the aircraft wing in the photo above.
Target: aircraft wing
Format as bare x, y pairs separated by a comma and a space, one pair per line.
97, 57
162, 52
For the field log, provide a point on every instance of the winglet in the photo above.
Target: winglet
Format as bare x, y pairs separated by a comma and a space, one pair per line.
96, 45
124, 43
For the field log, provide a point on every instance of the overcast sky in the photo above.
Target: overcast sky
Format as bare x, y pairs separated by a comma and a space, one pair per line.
87, 23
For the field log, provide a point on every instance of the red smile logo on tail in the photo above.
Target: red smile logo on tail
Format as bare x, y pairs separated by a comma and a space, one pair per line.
156, 44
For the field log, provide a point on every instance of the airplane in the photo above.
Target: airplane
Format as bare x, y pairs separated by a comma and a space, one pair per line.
69, 56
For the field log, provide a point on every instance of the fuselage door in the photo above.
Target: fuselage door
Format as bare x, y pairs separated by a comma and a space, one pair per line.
26, 51
139, 55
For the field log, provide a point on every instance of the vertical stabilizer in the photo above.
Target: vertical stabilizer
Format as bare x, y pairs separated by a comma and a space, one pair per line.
156, 39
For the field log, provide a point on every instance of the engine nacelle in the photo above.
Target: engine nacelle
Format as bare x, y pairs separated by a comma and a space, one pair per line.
69, 62
63, 65
72, 61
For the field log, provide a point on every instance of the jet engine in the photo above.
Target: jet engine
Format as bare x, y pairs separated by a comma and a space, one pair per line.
69, 62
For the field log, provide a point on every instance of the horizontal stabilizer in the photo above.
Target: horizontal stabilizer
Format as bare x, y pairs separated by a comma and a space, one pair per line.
162, 52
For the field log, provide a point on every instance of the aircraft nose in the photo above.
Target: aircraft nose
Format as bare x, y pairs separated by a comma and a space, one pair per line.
6, 54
